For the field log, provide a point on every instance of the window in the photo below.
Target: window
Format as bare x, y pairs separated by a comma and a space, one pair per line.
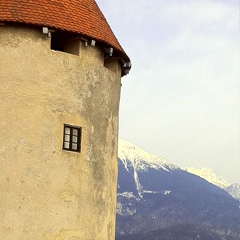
65, 42
72, 138
111, 64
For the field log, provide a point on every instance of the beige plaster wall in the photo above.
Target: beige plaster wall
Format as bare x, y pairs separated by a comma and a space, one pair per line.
47, 193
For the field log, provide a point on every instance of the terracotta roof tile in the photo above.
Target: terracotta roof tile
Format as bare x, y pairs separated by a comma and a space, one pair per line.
79, 16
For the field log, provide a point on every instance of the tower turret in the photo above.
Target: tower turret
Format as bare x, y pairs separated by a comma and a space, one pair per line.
60, 72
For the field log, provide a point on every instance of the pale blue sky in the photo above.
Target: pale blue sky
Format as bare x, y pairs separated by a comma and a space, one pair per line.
181, 99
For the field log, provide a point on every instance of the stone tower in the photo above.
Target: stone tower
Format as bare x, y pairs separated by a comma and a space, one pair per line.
60, 73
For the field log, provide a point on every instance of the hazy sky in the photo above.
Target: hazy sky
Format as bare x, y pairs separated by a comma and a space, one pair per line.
181, 99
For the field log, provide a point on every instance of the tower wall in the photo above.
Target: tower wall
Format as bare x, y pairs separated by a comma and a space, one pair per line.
47, 193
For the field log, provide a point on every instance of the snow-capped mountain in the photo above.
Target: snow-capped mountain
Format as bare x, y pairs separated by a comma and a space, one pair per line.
157, 197
140, 159
209, 175
135, 159
234, 190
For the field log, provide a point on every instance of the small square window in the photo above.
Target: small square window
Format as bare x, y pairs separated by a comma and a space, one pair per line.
72, 138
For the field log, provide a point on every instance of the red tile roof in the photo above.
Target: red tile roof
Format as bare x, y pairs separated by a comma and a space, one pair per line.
79, 16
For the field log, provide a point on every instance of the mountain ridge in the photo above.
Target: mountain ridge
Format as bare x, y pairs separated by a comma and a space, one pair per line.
209, 175
140, 159
156, 197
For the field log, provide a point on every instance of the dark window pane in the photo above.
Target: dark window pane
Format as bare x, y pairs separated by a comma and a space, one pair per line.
67, 138
67, 130
74, 139
74, 146
66, 145
75, 132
